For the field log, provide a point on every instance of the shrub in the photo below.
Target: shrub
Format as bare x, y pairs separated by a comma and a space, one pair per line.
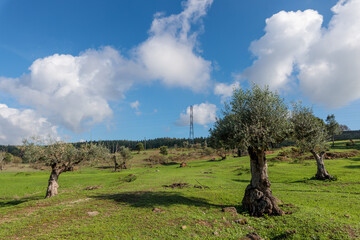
155, 159
208, 151
164, 150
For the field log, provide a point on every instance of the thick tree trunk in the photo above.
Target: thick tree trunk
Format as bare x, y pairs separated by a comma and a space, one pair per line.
53, 183
116, 165
239, 152
321, 174
258, 199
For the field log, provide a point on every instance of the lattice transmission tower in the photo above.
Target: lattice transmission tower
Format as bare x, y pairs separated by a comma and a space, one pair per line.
191, 135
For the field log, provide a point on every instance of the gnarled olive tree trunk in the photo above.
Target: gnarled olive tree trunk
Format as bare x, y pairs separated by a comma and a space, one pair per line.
321, 173
116, 165
258, 199
52, 189
53, 183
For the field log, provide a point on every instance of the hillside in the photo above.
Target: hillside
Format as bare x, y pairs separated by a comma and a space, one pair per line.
147, 203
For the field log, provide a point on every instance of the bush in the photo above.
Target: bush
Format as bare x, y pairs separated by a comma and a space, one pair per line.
17, 160
164, 150
208, 151
8, 158
155, 160
128, 178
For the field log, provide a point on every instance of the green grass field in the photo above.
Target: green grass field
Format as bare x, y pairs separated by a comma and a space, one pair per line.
123, 209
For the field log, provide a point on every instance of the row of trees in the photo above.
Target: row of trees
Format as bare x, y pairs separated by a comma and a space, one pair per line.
113, 145
257, 119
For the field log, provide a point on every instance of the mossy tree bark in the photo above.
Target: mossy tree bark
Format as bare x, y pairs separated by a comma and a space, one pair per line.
258, 199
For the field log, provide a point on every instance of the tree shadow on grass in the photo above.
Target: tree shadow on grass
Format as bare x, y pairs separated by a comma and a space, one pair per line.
342, 145
216, 160
146, 199
14, 202
170, 164
105, 167
357, 159
352, 166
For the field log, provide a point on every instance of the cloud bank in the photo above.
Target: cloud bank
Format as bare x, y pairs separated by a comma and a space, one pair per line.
75, 91
324, 60
204, 113
19, 124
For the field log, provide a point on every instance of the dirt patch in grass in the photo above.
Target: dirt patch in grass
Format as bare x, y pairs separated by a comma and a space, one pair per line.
204, 223
335, 155
79, 201
177, 185
352, 233
92, 187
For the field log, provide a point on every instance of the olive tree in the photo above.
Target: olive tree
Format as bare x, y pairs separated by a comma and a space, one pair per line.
60, 156
333, 127
259, 118
125, 155
222, 136
164, 150
344, 127
139, 147
310, 135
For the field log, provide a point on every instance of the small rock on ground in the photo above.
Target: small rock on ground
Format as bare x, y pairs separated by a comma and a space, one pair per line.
92, 214
230, 210
157, 210
241, 221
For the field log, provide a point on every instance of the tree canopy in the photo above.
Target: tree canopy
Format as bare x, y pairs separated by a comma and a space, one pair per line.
333, 127
260, 117
309, 132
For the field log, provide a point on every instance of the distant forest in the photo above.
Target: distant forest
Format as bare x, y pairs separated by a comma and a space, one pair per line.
148, 144
113, 144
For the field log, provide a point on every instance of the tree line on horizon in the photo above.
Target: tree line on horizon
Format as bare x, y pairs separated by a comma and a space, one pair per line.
112, 145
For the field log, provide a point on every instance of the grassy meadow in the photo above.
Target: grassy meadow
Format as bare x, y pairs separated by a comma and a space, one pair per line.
97, 203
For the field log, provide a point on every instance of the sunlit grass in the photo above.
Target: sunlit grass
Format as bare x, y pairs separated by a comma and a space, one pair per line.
320, 210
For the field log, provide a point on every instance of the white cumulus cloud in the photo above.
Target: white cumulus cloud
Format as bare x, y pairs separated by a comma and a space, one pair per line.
73, 91
169, 53
15, 125
203, 114
287, 38
324, 60
225, 90
330, 73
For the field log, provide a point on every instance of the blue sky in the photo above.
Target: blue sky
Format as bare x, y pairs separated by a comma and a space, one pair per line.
130, 69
